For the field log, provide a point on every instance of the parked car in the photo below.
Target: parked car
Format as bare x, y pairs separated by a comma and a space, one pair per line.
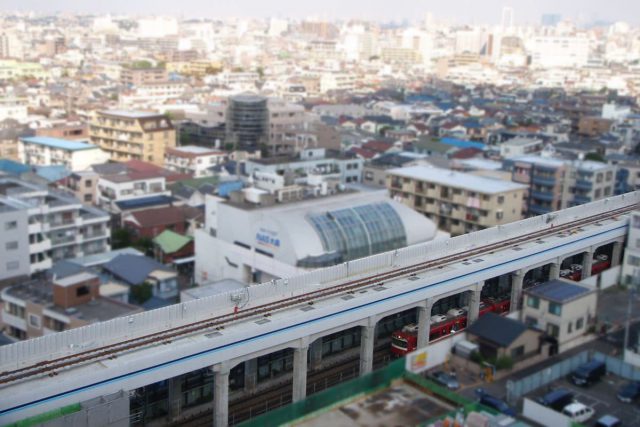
576, 267
565, 273
608, 421
602, 257
629, 392
557, 399
490, 401
455, 312
588, 373
578, 412
437, 318
447, 380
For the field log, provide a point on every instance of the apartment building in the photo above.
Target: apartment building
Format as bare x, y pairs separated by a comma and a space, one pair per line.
44, 306
312, 162
75, 131
457, 202
132, 76
150, 94
46, 151
41, 226
132, 135
193, 160
125, 186
555, 183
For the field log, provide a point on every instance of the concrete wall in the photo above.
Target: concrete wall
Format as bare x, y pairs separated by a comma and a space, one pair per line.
544, 416
105, 411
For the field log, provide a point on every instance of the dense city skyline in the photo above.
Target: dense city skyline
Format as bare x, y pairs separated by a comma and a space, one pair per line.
466, 11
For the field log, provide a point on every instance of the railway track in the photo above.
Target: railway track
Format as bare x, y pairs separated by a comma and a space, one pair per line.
50, 367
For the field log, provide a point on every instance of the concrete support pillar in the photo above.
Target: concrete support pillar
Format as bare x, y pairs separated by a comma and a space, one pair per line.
424, 323
221, 395
367, 338
300, 373
251, 375
174, 397
554, 271
474, 303
615, 254
517, 278
587, 263
315, 354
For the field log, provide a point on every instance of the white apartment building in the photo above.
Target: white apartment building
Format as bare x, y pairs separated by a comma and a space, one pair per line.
193, 160
39, 226
337, 82
127, 186
559, 51
11, 109
238, 80
74, 155
149, 94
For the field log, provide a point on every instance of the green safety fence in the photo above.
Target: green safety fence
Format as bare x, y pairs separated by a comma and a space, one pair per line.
368, 384
325, 400
47, 416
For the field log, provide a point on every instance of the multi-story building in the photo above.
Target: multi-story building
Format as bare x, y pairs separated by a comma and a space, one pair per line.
253, 238
41, 226
83, 185
316, 161
247, 122
457, 202
555, 183
133, 135
631, 265
15, 109
150, 94
45, 151
193, 160
132, 76
69, 130
128, 186
42, 306
12, 69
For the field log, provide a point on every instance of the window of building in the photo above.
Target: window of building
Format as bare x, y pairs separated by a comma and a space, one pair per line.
533, 302
553, 330
11, 246
598, 193
500, 200
634, 261
11, 225
555, 308
82, 291
517, 352
499, 215
87, 198
531, 321
34, 321
579, 323
13, 265
457, 192
570, 327
88, 183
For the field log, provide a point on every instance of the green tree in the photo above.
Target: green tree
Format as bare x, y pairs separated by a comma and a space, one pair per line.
595, 157
121, 238
141, 293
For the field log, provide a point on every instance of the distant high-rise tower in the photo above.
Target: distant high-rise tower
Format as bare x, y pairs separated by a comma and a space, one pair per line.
507, 18
550, 19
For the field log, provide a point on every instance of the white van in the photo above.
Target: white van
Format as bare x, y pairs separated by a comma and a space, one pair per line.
578, 412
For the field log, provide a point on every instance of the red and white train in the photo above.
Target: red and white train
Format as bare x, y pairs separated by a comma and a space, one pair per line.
406, 340
600, 263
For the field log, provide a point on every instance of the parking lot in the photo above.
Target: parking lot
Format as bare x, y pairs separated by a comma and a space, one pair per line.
601, 397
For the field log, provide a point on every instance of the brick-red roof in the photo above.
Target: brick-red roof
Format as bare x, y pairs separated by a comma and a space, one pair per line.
159, 216
377, 146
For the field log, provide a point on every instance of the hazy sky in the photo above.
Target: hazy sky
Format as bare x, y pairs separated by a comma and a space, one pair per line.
471, 11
